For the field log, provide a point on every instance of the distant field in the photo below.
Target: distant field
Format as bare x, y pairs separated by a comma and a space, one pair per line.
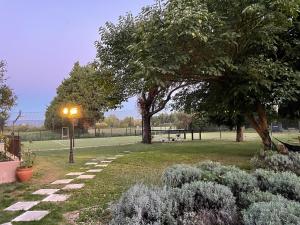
124, 140
80, 143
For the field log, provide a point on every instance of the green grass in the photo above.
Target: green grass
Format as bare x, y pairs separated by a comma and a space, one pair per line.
116, 141
145, 164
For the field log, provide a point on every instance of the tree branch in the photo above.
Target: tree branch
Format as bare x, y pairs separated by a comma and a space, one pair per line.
163, 103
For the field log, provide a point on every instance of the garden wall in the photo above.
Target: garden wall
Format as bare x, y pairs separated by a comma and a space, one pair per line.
8, 171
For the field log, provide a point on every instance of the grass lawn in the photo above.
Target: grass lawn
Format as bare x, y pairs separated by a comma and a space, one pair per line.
144, 164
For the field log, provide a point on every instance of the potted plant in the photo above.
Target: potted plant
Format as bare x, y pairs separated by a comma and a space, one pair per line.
25, 171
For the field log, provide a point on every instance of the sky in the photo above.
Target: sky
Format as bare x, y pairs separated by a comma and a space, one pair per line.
41, 40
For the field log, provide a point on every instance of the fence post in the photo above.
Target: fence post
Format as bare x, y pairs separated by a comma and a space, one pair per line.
184, 134
126, 131
40, 135
200, 134
169, 135
111, 131
220, 132
192, 132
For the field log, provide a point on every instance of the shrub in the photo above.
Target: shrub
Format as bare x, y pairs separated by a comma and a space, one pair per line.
212, 171
295, 158
285, 183
239, 181
273, 212
246, 199
178, 175
208, 201
278, 162
141, 205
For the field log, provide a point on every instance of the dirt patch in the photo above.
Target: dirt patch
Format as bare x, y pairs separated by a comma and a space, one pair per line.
72, 217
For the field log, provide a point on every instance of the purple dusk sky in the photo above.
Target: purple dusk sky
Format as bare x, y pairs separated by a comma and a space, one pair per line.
41, 40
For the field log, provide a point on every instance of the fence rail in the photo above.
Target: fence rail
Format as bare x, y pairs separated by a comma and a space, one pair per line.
11, 151
165, 132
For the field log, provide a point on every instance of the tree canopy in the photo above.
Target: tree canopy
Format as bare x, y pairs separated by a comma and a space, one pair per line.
243, 53
85, 87
241, 47
8, 98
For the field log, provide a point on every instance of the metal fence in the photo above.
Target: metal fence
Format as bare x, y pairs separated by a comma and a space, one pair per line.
164, 132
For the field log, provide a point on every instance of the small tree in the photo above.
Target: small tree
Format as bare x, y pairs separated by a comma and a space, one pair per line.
8, 98
84, 86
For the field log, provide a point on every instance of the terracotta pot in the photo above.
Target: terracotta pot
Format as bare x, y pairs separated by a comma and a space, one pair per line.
24, 174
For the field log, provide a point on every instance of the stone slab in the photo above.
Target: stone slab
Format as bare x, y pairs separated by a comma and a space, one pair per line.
106, 161
86, 177
73, 186
6, 224
31, 216
91, 163
64, 181
94, 171
56, 198
102, 165
20, 206
45, 191
75, 174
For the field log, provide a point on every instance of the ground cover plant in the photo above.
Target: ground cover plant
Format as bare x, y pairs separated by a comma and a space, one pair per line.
210, 193
143, 165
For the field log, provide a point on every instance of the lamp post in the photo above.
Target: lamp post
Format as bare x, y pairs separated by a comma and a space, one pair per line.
72, 113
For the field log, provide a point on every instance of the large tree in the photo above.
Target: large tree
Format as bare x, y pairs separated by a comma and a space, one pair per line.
84, 87
8, 98
207, 99
239, 45
117, 52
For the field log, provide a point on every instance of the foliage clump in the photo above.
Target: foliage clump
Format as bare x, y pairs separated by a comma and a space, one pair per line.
278, 162
273, 212
141, 205
178, 175
209, 202
286, 184
212, 194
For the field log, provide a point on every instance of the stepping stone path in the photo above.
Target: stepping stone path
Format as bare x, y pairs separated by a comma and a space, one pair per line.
31, 216
51, 196
94, 171
73, 186
101, 165
45, 191
91, 163
56, 198
86, 177
21, 206
65, 181
75, 174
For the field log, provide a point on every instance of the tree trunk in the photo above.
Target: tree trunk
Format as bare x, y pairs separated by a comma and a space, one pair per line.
261, 126
239, 133
147, 138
